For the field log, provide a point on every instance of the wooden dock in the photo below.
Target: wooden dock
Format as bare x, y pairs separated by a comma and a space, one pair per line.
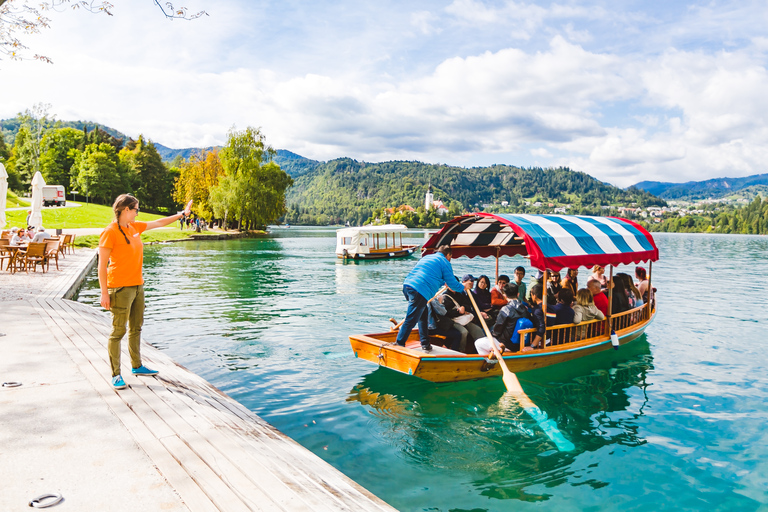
215, 453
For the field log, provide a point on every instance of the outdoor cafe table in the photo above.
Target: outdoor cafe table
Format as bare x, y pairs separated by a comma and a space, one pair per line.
15, 251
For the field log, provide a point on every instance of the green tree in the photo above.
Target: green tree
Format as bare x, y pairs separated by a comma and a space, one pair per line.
59, 149
152, 182
256, 185
99, 173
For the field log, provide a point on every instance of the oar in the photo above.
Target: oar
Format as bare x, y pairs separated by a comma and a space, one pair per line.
516, 390
397, 325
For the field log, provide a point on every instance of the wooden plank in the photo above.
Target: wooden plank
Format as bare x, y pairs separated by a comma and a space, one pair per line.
308, 489
215, 437
177, 477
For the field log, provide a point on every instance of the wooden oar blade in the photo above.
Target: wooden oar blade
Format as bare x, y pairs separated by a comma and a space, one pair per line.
513, 385
550, 429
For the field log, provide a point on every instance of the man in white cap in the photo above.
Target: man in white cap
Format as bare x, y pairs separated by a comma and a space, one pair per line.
41, 235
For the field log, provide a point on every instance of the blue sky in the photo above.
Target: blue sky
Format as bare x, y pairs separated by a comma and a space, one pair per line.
624, 91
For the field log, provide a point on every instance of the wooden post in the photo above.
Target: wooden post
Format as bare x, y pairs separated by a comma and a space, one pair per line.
650, 288
610, 297
545, 294
497, 262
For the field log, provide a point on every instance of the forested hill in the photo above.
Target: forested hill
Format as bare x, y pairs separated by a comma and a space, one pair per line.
716, 188
347, 190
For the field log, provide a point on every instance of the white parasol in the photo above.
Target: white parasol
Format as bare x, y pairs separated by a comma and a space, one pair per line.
36, 219
3, 193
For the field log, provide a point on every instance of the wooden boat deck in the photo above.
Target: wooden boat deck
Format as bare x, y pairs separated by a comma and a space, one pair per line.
214, 452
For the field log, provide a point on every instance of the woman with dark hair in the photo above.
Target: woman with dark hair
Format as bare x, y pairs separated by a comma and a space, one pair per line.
121, 255
482, 294
619, 300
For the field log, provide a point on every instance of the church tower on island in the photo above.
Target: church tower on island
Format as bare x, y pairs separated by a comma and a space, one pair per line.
428, 198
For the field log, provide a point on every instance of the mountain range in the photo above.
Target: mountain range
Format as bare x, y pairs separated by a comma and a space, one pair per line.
718, 188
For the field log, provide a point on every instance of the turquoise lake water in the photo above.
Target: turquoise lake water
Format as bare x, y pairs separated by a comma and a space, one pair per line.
677, 420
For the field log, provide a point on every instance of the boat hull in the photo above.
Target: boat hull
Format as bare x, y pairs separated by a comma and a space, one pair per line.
442, 365
381, 255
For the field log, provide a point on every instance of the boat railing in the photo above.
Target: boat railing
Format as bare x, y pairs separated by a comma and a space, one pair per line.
592, 330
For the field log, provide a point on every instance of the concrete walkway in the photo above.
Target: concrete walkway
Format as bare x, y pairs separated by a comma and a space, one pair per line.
172, 442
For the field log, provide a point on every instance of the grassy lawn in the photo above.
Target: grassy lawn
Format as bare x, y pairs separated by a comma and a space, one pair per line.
13, 201
155, 235
85, 216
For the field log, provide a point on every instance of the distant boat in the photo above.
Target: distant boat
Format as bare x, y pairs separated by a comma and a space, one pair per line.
373, 242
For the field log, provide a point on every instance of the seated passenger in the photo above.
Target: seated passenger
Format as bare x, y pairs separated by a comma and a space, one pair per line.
498, 300
441, 327
620, 301
571, 281
584, 311
482, 295
563, 313
600, 299
553, 287
504, 328
538, 279
633, 294
642, 283
537, 298
598, 274
457, 304
522, 291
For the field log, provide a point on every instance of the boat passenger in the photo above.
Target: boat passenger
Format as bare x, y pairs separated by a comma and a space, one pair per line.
571, 280
537, 298
482, 295
420, 285
498, 300
522, 290
506, 325
562, 310
584, 311
598, 274
619, 299
642, 282
599, 298
538, 279
442, 326
553, 287
633, 294
458, 305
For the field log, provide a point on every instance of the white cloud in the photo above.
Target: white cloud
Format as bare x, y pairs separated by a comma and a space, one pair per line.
623, 117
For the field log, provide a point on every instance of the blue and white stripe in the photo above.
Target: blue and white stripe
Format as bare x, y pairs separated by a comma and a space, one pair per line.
559, 236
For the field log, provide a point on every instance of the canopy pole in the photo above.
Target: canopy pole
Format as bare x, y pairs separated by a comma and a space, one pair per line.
610, 295
497, 263
650, 288
545, 293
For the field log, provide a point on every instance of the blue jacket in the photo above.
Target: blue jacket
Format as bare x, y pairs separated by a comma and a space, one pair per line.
429, 275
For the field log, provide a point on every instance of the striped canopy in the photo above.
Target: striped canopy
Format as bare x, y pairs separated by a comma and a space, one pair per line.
551, 241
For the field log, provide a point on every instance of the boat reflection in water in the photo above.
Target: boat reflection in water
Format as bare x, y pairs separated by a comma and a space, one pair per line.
474, 427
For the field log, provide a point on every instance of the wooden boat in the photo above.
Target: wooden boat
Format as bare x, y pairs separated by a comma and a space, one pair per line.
373, 242
552, 242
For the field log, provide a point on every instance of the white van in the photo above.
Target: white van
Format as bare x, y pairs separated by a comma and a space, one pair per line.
54, 195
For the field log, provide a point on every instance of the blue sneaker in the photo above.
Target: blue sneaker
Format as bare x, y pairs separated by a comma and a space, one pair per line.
144, 371
118, 382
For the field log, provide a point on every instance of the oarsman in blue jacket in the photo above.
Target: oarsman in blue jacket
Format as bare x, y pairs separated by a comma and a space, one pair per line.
420, 285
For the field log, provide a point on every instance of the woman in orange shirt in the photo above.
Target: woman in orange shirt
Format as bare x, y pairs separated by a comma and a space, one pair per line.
121, 255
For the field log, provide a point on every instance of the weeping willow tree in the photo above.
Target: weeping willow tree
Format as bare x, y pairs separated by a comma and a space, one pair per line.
253, 187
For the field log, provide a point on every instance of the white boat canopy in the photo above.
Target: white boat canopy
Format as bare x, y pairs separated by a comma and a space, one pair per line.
360, 240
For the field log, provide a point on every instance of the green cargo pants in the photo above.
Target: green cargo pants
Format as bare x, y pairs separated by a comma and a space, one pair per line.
126, 306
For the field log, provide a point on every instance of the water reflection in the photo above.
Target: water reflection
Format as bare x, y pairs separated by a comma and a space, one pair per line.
474, 427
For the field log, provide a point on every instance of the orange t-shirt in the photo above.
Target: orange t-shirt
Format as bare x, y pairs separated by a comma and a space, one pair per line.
125, 260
